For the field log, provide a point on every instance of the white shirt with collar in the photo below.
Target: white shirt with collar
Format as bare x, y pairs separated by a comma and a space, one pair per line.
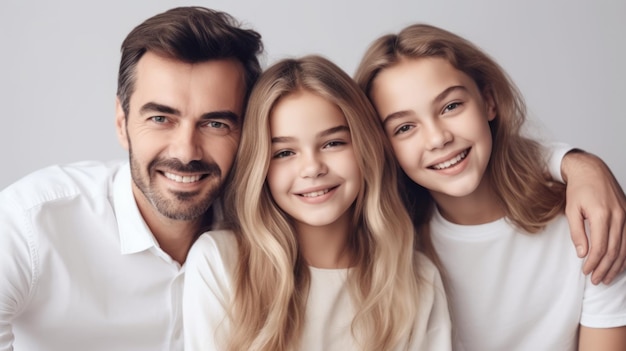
79, 268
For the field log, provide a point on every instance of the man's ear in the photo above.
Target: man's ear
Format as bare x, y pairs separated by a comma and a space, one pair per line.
120, 124
490, 105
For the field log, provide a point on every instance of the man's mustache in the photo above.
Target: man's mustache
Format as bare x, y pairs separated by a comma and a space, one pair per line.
175, 165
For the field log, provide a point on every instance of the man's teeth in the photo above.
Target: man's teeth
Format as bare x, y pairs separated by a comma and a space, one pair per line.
451, 162
182, 179
316, 193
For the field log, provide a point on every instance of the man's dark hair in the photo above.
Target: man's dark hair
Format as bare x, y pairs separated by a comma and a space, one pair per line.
189, 34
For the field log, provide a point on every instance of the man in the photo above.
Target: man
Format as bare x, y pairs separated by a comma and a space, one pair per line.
92, 254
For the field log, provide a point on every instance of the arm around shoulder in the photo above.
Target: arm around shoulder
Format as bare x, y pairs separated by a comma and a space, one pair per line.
594, 195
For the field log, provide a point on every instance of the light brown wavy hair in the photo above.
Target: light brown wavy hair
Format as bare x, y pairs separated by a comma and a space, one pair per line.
272, 280
516, 168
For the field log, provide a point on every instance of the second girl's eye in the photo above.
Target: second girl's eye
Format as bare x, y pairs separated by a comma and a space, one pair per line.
451, 106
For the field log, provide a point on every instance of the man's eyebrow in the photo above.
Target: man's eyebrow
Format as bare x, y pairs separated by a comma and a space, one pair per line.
399, 114
223, 115
321, 134
160, 108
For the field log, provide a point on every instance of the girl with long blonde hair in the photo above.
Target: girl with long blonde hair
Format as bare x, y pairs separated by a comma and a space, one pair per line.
478, 190
320, 251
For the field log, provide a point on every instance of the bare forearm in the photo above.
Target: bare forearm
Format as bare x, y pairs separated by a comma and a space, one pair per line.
602, 339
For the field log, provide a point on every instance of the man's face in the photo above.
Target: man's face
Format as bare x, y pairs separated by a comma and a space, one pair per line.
182, 131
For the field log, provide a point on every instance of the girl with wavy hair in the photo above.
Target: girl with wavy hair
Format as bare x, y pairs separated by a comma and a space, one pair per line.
478, 190
319, 254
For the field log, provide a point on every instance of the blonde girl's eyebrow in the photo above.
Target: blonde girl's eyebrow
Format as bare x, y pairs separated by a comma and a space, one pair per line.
330, 131
324, 133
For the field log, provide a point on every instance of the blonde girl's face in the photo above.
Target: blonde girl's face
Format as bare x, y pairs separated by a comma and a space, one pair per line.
313, 175
438, 124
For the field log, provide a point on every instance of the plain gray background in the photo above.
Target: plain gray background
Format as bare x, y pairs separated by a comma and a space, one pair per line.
59, 63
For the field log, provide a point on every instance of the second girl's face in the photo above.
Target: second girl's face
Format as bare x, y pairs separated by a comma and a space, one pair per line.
313, 175
438, 124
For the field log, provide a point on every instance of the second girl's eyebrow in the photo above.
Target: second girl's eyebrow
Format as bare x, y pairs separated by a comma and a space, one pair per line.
321, 134
399, 114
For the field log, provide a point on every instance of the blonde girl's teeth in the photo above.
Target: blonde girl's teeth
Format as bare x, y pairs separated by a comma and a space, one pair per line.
315, 193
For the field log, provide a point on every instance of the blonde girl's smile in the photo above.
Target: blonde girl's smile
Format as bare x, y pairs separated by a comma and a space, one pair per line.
313, 175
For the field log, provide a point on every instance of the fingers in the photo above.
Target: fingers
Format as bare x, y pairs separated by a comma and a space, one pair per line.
619, 228
599, 260
577, 231
606, 255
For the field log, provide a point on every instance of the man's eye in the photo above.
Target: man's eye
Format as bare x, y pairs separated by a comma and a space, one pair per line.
159, 119
216, 124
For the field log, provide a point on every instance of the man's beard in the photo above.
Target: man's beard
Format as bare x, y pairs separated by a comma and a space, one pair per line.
183, 207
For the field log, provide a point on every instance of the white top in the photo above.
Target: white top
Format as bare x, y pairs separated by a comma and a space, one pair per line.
554, 153
514, 291
80, 269
329, 309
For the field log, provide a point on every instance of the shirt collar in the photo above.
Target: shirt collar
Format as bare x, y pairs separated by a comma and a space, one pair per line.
135, 236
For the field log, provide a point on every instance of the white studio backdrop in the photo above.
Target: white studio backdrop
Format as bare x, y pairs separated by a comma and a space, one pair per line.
59, 61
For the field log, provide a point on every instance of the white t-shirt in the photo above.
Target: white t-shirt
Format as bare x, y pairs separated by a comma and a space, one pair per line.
514, 291
329, 309
79, 268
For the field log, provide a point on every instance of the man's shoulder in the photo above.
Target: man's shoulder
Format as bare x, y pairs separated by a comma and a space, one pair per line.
62, 181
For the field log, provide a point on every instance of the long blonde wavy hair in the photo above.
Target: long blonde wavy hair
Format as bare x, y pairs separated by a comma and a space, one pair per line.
516, 170
272, 280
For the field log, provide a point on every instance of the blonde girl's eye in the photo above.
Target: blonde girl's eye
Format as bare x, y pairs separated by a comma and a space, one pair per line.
334, 143
283, 154
403, 129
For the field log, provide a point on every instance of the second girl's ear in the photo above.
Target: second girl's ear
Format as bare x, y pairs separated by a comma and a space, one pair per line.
120, 124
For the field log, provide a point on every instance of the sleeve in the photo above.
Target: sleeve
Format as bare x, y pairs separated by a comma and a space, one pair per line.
207, 293
554, 155
17, 267
604, 306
